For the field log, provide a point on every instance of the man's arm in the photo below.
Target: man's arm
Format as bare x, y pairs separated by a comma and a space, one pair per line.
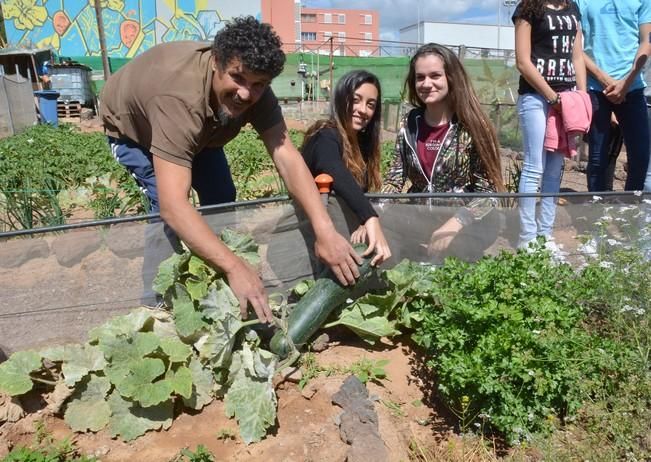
616, 91
331, 247
173, 182
598, 73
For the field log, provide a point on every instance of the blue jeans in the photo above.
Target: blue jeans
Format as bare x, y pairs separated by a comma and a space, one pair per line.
211, 176
633, 120
540, 170
647, 181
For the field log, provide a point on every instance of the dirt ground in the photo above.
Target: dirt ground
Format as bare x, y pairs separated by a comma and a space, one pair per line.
306, 430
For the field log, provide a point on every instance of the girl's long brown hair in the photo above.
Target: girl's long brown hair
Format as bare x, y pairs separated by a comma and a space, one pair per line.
535, 8
465, 105
365, 171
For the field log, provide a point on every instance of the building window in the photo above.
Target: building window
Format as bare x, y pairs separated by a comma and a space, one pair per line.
308, 36
327, 35
364, 53
368, 36
327, 18
308, 17
342, 36
368, 19
342, 18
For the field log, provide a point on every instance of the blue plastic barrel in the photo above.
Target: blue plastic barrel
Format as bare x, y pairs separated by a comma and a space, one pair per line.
47, 104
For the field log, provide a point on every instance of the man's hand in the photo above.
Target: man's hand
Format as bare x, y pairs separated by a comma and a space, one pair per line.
358, 236
376, 241
442, 237
339, 255
247, 287
616, 91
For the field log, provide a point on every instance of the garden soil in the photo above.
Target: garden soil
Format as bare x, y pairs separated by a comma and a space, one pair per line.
307, 420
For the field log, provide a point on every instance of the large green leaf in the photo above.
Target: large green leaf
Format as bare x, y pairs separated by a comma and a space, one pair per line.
188, 320
123, 350
175, 349
220, 303
121, 325
199, 269
367, 321
129, 420
88, 409
139, 385
251, 398
242, 245
79, 360
169, 272
252, 401
203, 384
197, 288
181, 381
14, 373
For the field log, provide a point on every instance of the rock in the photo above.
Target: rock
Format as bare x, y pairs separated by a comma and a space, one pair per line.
321, 343
15, 252
101, 451
359, 423
71, 248
127, 240
289, 374
309, 391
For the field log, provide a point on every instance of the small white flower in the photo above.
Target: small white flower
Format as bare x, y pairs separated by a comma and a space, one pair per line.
531, 373
477, 424
530, 416
484, 416
626, 308
606, 264
349, 300
535, 332
606, 218
596, 198
637, 193
613, 242
30, 140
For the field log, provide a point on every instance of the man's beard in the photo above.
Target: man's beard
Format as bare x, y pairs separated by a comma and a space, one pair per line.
224, 117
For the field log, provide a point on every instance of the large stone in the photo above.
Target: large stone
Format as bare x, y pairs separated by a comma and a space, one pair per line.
71, 248
15, 252
358, 423
127, 240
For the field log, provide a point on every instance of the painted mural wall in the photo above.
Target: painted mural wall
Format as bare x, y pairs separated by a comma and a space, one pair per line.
131, 26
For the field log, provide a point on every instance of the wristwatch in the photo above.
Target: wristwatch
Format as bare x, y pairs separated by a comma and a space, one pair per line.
553, 102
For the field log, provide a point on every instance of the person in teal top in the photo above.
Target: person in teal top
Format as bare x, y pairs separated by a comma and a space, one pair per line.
616, 46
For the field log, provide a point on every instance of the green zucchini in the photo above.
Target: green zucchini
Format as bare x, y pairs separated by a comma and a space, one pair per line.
313, 309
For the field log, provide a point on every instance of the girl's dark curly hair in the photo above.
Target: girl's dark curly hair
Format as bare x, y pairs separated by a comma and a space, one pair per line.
255, 44
535, 8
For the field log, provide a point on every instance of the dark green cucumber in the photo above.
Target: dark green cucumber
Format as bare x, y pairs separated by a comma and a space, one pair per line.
313, 309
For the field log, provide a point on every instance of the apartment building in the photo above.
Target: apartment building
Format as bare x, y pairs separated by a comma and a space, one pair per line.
348, 32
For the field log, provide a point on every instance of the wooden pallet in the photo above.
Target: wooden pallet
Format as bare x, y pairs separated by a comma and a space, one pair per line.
68, 108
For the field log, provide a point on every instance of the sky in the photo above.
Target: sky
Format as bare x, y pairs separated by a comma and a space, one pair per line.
396, 14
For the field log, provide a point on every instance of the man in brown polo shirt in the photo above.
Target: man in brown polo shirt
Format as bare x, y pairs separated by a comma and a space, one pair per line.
168, 114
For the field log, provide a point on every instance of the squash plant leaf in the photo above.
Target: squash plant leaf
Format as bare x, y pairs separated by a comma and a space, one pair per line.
88, 409
251, 399
139, 385
199, 269
79, 360
14, 373
203, 383
169, 272
242, 245
220, 302
188, 320
121, 325
367, 321
129, 420
123, 350
197, 288
181, 381
175, 349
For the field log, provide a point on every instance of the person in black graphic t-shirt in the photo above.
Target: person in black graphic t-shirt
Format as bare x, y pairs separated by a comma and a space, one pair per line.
549, 56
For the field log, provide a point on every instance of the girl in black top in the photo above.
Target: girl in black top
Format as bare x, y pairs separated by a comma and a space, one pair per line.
347, 147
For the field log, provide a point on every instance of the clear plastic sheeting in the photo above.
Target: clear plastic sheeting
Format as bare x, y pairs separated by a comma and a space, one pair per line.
56, 285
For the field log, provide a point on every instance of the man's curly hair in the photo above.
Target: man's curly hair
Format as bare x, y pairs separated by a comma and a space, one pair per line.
255, 44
